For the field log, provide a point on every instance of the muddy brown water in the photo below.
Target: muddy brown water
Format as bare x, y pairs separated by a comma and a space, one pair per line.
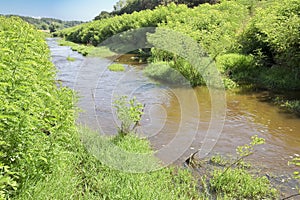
247, 114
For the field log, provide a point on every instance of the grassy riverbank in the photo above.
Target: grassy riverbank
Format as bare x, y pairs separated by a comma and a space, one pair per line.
249, 40
42, 156
42, 150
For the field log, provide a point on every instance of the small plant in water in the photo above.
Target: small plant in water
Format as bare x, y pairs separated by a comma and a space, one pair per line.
116, 67
296, 162
71, 59
129, 112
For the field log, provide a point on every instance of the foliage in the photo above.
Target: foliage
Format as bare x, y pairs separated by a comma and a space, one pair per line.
87, 50
46, 23
254, 42
237, 183
273, 37
69, 58
41, 152
248, 149
236, 66
98, 31
130, 6
116, 67
162, 71
296, 162
36, 116
129, 113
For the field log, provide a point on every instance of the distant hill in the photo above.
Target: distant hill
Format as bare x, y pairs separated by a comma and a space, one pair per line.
50, 24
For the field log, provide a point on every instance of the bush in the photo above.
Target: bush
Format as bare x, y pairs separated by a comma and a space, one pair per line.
237, 67
36, 116
274, 33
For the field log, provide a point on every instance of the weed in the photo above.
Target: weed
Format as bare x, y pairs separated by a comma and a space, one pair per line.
129, 113
71, 59
116, 67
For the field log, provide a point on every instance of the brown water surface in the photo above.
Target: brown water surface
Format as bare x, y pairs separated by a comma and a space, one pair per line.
167, 107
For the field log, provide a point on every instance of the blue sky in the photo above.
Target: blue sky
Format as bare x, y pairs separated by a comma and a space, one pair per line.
84, 10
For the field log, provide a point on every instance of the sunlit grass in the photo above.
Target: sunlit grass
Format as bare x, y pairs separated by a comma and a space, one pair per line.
116, 67
87, 50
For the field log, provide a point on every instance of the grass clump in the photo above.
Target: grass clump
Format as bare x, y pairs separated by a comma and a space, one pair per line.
71, 59
79, 174
240, 184
116, 67
87, 50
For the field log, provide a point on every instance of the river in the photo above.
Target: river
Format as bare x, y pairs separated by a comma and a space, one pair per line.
247, 114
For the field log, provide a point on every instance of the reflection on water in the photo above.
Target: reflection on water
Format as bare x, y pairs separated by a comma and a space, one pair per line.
169, 110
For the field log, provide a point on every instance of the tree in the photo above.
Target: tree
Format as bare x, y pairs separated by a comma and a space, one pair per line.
54, 27
103, 15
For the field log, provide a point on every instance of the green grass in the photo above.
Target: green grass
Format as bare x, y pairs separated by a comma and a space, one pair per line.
77, 174
116, 67
240, 184
87, 50
71, 59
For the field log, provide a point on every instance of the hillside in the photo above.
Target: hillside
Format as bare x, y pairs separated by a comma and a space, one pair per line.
252, 42
50, 24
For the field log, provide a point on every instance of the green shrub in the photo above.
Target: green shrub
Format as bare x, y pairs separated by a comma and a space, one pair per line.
237, 67
274, 33
237, 183
116, 67
36, 115
278, 78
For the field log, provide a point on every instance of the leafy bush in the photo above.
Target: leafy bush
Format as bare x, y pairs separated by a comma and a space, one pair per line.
36, 116
273, 35
278, 77
237, 66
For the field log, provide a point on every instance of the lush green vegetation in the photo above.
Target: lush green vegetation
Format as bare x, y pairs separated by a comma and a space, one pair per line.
249, 40
231, 179
42, 156
87, 50
48, 24
116, 67
289, 105
130, 6
37, 118
163, 72
45, 156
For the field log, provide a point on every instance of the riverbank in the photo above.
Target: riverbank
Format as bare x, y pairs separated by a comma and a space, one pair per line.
42, 155
245, 51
